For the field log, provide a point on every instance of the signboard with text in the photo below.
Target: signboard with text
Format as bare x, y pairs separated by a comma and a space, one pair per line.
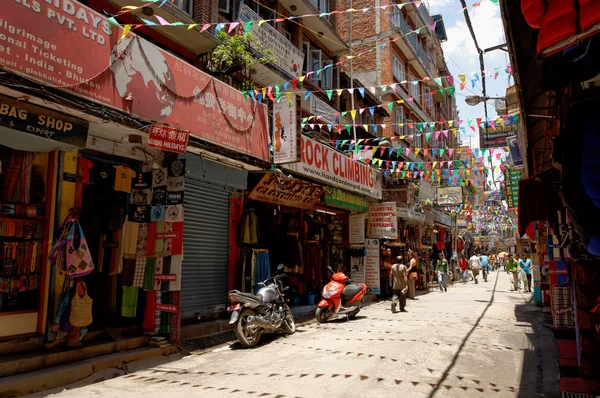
512, 187
515, 152
382, 221
287, 56
285, 134
372, 279
449, 196
67, 44
42, 122
323, 163
495, 136
356, 229
168, 138
293, 193
345, 200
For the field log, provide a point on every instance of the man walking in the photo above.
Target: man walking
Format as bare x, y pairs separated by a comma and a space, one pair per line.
512, 267
475, 265
399, 283
462, 264
442, 270
412, 275
526, 267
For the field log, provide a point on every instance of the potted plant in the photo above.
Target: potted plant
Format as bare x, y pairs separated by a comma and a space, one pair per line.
234, 53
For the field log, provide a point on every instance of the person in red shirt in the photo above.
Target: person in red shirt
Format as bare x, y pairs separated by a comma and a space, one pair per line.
462, 263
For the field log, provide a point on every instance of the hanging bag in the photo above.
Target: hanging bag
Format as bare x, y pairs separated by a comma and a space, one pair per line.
81, 307
79, 258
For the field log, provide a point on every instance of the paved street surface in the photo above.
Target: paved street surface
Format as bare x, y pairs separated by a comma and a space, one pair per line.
473, 341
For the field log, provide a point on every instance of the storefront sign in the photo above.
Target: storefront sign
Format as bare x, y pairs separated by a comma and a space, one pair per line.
512, 187
168, 138
167, 308
287, 56
356, 229
449, 196
496, 137
66, 44
41, 122
402, 212
293, 193
426, 190
461, 223
318, 107
515, 152
443, 218
344, 200
323, 163
372, 278
382, 221
285, 134
415, 215
165, 277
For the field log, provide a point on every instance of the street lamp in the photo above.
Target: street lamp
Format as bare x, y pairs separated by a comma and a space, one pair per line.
475, 100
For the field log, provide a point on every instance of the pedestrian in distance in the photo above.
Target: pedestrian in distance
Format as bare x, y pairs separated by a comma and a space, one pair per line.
412, 275
442, 272
485, 264
462, 265
512, 267
399, 284
526, 267
475, 265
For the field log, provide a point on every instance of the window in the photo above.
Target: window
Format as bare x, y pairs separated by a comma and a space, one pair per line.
428, 98
415, 92
224, 6
315, 60
399, 118
321, 5
396, 16
398, 68
187, 6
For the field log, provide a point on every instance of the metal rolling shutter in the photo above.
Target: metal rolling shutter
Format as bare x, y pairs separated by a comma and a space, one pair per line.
206, 249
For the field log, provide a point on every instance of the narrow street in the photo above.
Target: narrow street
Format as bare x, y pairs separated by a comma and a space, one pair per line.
473, 341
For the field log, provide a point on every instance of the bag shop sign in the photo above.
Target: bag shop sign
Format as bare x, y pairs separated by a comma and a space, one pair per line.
42, 122
293, 193
323, 163
168, 138
66, 44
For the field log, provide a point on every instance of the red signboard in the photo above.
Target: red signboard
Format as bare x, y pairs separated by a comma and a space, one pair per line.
167, 235
168, 138
165, 277
67, 45
167, 308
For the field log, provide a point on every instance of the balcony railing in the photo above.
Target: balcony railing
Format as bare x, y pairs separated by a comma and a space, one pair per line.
424, 13
398, 22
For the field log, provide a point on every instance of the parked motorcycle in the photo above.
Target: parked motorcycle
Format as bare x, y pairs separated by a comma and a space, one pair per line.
264, 312
340, 297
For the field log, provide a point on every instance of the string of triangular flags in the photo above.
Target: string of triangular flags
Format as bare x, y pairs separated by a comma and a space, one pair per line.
274, 91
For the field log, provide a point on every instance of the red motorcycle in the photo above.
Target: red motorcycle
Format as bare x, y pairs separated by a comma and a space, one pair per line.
340, 297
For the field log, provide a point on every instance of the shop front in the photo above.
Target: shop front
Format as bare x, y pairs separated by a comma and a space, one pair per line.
32, 137
411, 230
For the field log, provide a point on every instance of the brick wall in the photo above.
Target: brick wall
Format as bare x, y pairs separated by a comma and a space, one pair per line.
206, 11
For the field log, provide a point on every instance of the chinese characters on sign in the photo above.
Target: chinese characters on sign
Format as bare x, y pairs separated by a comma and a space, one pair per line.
168, 138
285, 134
383, 221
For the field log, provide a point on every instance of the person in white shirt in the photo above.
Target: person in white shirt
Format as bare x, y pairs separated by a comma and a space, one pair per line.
475, 265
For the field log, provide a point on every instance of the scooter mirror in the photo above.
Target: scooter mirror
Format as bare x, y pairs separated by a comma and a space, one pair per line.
280, 267
331, 270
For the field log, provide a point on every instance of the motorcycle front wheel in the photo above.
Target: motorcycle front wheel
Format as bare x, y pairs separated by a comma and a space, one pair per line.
322, 314
289, 324
247, 335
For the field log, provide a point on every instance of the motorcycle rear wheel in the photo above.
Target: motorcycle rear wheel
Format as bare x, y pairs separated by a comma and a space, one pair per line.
322, 314
247, 335
289, 324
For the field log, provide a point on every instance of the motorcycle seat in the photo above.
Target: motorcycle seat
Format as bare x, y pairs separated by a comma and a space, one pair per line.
258, 298
351, 291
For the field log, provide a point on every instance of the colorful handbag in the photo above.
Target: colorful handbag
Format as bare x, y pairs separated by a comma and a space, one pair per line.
81, 308
79, 259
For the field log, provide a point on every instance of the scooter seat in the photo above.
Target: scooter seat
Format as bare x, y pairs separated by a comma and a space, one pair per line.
351, 291
250, 296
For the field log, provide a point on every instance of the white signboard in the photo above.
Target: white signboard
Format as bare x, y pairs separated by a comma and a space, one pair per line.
426, 190
323, 163
449, 196
357, 264
372, 278
382, 221
285, 139
356, 229
287, 56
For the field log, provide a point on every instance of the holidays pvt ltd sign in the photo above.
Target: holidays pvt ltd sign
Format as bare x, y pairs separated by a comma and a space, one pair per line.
322, 163
66, 44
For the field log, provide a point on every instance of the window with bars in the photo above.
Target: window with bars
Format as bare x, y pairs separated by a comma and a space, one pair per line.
398, 68
399, 118
415, 92
187, 6
428, 98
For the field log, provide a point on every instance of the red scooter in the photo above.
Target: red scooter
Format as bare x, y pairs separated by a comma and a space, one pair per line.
340, 297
